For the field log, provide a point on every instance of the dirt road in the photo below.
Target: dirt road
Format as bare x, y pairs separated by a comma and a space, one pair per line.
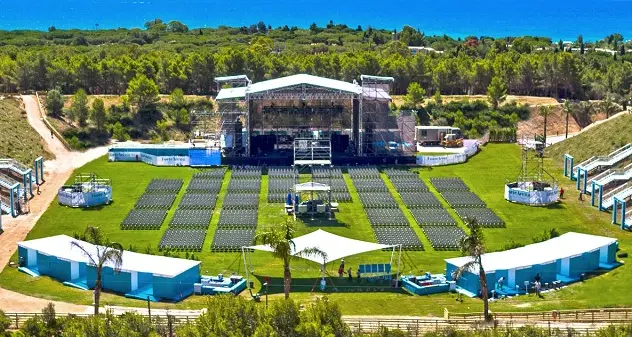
56, 172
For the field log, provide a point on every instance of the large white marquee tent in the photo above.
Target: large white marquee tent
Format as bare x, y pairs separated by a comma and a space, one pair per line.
334, 246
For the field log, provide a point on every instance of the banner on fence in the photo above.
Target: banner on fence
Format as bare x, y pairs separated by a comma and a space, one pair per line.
84, 199
149, 159
531, 197
471, 148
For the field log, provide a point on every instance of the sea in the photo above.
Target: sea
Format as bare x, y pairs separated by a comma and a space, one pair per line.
558, 19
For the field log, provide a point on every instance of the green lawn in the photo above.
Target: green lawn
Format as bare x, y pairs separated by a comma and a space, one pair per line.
596, 141
18, 140
486, 174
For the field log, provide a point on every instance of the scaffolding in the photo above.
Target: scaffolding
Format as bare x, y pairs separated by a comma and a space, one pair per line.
382, 131
302, 111
224, 127
312, 152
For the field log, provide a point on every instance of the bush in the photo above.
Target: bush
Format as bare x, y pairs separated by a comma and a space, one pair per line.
475, 117
5, 323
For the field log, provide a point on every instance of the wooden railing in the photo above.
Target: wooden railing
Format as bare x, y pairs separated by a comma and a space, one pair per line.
567, 323
587, 315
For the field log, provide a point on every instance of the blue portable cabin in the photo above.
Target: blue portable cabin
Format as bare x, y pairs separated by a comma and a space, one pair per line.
141, 276
565, 258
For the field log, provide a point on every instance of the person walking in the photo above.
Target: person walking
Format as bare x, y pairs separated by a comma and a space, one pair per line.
52, 135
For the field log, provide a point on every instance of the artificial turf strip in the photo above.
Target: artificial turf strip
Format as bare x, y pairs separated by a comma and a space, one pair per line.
484, 173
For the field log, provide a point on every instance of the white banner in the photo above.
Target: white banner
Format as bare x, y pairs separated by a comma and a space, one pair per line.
441, 160
172, 161
84, 199
448, 159
521, 196
124, 156
149, 159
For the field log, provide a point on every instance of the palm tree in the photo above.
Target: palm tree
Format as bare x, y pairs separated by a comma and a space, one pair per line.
545, 111
583, 113
282, 244
473, 245
106, 252
568, 110
609, 106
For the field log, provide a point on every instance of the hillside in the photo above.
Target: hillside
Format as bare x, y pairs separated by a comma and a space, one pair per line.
17, 139
599, 140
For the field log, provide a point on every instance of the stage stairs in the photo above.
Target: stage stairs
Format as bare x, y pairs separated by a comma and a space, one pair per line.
604, 161
622, 192
16, 167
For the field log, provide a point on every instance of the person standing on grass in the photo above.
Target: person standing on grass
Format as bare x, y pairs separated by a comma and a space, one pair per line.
350, 275
561, 192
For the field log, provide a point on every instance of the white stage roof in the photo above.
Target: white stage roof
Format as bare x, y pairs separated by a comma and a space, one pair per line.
566, 245
297, 79
231, 78
228, 93
60, 247
311, 186
289, 81
336, 247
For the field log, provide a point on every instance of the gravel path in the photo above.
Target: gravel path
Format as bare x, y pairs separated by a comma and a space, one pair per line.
56, 172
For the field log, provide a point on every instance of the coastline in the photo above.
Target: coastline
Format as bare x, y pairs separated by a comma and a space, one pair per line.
496, 19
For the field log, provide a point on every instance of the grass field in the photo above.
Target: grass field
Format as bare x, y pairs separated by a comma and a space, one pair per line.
17, 139
596, 141
486, 173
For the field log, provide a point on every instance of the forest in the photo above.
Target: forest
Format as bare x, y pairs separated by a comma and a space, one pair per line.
174, 56
166, 58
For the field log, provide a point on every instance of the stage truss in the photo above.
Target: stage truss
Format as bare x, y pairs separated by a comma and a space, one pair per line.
382, 131
361, 118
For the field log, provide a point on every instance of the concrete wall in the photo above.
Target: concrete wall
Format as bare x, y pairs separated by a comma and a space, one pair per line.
53, 267
117, 282
178, 287
612, 252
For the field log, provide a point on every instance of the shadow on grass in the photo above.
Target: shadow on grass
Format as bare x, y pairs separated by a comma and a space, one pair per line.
97, 208
557, 205
334, 285
322, 221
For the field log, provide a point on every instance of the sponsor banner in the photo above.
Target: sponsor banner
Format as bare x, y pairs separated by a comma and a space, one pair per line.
84, 199
149, 159
448, 159
441, 160
531, 197
124, 156
172, 161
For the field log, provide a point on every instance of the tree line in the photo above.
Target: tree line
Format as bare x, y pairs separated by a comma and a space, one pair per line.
237, 317
524, 65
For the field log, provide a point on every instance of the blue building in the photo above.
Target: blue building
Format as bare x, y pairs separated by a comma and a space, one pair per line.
562, 259
141, 276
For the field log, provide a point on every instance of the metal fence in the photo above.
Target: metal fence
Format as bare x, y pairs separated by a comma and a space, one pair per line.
558, 323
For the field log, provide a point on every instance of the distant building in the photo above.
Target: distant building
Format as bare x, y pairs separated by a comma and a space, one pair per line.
425, 50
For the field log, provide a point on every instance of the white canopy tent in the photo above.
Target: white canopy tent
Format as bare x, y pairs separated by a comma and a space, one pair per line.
334, 246
311, 187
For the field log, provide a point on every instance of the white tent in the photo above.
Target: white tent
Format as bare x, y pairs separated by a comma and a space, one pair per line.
311, 186
334, 246
61, 247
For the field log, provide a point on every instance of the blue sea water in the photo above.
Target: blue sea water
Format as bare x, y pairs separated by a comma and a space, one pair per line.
594, 19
